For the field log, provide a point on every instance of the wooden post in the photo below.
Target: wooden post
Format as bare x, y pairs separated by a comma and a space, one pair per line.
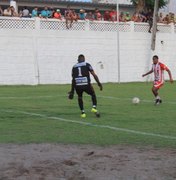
155, 17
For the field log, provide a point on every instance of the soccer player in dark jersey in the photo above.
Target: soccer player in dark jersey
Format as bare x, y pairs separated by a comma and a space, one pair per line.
81, 82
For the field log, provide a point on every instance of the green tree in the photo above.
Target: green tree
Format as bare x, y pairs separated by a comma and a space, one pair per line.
144, 5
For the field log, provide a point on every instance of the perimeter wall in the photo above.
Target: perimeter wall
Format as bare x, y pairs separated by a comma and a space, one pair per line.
34, 51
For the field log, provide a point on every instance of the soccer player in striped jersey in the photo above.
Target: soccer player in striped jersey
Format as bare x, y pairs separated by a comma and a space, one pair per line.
81, 82
157, 69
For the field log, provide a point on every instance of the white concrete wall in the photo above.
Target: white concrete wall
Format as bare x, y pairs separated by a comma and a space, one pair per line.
47, 56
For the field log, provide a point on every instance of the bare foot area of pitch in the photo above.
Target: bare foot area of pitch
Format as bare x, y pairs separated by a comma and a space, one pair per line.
86, 162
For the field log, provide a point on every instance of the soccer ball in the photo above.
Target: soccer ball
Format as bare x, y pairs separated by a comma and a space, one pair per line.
135, 100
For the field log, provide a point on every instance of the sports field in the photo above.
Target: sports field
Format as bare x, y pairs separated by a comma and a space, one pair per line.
43, 114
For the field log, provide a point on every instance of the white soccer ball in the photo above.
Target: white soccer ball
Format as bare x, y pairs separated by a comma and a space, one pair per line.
135, 100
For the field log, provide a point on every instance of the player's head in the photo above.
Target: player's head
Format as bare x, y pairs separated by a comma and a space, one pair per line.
155, 59
81, 58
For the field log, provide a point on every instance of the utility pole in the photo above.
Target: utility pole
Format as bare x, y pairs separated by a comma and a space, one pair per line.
155, 17
118, 40
14, 4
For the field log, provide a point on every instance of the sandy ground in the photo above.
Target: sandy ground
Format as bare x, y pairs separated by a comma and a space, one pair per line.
83, 162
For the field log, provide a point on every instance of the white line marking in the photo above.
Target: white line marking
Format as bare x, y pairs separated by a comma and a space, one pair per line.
30, 97
93, 125
130, 99
106, 97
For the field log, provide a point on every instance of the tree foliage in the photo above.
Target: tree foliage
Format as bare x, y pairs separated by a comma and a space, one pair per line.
144, 5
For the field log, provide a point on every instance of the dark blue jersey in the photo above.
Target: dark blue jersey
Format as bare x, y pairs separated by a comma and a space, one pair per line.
81, 73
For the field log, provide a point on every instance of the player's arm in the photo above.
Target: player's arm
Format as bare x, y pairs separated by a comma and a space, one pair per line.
170, 75
147, 73
72, 86
97, 80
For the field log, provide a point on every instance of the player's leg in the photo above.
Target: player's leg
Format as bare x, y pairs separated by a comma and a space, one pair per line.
150, 25
80, 101
155, 93
155, 89
67, 21
90, 90
71, 22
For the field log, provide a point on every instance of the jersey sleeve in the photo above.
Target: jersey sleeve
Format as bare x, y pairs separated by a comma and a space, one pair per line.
163, 66
90, 67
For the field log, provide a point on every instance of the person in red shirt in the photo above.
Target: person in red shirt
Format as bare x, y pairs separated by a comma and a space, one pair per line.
113, 15
57, 14
97, 15
106, 16
157, 69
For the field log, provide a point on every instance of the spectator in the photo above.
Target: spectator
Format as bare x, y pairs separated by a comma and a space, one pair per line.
67, 12
82, 14
57, 14
160, 18
74, 15
150, 19
166, 19
51, 12
7, 12
90, 16
121, 17
70, 16
106, 16
14, 13
97, 15
35, 12
45, 13
113, 15
127, 17
172, 18
143, 17
1, 11
136, 17
25, 12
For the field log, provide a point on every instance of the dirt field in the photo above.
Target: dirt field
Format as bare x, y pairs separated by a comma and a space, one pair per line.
83, 162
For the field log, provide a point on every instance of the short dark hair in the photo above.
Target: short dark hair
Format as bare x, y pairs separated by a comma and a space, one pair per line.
155, 56
81, 58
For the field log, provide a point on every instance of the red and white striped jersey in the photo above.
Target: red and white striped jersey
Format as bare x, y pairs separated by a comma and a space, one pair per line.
158, 71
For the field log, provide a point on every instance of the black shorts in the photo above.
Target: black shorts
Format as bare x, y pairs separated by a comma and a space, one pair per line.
86, 88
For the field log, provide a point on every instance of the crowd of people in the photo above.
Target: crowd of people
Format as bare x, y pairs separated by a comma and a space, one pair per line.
73, 15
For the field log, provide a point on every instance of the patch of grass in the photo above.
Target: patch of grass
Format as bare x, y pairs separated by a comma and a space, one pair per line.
57, 119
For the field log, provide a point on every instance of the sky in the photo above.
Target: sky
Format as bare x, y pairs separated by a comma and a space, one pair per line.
171, 7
